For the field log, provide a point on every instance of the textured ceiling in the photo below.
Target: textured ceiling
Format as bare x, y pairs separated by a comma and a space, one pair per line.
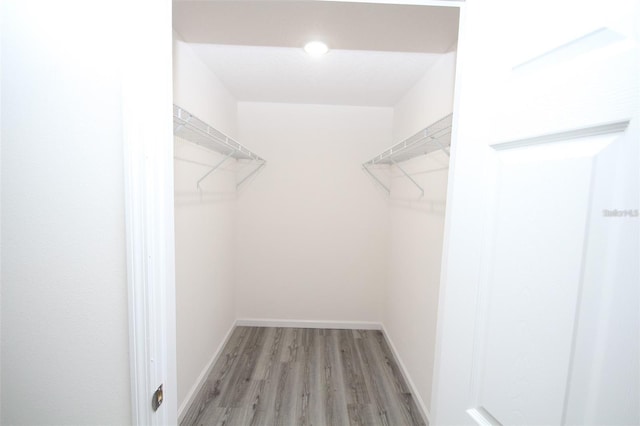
342, 77
378, 51
342, 25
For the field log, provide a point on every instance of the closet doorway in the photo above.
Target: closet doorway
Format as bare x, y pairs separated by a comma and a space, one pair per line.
341, 225
598, 41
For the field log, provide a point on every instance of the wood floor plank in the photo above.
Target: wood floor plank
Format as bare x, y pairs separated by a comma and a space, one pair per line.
305, 361
307, 377
211, 389
389, 363
373, 383
240, 380
315, 370
336, 412
390, 387
362, 415
410, 411
266, 371
357, 393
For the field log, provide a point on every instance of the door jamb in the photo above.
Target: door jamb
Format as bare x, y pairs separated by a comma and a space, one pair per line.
147, 139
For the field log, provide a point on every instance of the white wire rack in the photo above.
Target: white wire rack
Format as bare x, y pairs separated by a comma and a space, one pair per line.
189, 127
435, 137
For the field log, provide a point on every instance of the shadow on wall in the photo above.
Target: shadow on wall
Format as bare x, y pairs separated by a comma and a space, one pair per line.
194, 195
192, 198
425, 172
432, 203
422, 205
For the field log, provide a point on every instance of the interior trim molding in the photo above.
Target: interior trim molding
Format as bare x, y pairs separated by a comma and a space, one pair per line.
148, 210
602, 129
290, 323
407, 378
197, 385
482, 417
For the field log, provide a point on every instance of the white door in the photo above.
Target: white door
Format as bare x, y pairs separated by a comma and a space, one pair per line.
539, 305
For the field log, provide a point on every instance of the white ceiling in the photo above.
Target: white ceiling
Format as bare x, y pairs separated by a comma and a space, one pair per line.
342, 77
378, 51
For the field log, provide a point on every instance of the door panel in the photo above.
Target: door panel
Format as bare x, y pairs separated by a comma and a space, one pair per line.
539, 223
605, 375
538, 318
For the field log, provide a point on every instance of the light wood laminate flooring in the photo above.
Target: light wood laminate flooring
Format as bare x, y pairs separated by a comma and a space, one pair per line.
304, 376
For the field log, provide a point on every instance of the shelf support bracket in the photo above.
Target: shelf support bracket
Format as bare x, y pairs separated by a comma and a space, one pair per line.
409, 177
215, 168
253, 172
386, 188
442, 147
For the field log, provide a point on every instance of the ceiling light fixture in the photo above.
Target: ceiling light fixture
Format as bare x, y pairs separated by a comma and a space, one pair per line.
316, 48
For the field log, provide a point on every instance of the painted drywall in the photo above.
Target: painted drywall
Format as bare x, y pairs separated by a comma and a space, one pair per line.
312, 226
429, 99
204, 224
0, 221
197, 89
417, 228
64, 289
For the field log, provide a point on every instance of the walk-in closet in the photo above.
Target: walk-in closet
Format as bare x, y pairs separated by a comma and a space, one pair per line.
310, 191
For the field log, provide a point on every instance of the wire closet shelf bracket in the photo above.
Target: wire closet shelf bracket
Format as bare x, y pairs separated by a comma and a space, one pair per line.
436, 136
189, 127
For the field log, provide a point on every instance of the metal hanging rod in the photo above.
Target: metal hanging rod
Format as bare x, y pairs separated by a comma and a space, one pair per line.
435, 137
189, 127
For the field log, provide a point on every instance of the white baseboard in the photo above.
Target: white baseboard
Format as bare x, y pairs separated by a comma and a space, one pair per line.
405, 374
342, 325
182, 410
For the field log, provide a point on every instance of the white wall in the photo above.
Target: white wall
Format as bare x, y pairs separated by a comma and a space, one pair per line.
312, 227
1, 32
316, 238
199, 91
204, 225
429, 100
416, 230
64, 289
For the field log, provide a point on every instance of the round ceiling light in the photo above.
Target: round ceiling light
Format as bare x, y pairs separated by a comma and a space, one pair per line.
316, 48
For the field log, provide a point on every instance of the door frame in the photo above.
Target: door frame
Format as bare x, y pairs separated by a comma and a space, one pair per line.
147, 93
147, 136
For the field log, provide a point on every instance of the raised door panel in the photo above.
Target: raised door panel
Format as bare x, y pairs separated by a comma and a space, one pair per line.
535, 259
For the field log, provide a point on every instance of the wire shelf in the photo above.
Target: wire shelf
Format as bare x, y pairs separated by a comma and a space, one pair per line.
435, 137
432, 138
188, 126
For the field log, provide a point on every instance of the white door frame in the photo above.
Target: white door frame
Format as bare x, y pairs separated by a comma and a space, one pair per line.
149, 208
147, 94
